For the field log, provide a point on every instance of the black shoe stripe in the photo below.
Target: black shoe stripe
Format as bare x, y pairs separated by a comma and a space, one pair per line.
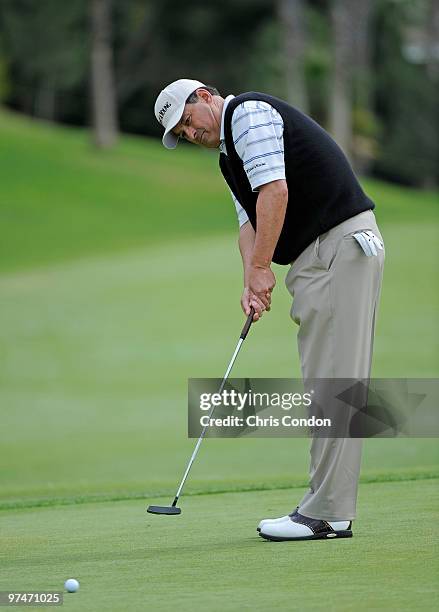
317, 526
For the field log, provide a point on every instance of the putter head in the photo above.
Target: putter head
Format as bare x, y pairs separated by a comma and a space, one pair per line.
163, 510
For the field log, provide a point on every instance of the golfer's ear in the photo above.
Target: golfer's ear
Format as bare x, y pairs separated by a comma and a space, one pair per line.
204, 94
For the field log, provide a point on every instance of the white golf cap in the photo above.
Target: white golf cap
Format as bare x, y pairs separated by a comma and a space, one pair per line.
169, 107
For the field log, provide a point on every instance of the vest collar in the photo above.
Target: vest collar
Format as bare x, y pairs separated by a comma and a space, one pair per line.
226, 103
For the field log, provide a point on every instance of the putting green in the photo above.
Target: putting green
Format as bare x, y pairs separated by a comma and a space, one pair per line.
210, 557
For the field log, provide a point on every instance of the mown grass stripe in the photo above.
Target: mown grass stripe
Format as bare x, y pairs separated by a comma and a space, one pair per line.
91, 499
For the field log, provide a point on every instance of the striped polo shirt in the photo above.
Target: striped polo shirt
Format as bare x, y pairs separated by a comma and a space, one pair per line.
257, 130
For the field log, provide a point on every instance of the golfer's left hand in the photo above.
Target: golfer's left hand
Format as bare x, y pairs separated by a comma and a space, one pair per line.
261, 282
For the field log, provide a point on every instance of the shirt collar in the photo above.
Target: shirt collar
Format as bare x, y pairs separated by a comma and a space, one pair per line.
226, 103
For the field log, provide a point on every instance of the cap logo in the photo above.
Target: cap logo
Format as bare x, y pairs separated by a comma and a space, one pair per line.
163, 110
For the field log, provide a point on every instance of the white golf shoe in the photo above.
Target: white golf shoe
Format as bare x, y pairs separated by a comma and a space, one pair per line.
271, 521
299, 527
275, 520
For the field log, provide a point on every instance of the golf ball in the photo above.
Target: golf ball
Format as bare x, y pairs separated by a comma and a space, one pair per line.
71, 585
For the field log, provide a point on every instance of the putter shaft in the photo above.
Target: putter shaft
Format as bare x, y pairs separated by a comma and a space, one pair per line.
242, 337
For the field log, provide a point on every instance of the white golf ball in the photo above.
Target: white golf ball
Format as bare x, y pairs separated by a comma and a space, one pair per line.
71, 585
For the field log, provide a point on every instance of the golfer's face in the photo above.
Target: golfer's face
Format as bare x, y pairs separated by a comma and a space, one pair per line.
198, 125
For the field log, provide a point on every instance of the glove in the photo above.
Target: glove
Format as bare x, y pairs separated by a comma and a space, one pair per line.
368, 242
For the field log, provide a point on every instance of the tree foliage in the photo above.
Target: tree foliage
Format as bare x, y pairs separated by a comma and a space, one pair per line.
236, 45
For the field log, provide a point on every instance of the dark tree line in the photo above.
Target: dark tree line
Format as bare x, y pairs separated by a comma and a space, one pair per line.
368, 70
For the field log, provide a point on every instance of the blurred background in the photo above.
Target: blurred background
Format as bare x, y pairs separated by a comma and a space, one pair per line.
120, 275
366, 69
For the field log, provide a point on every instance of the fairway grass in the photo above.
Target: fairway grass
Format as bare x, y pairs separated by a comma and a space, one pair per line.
63, 199
210, 557
96, 356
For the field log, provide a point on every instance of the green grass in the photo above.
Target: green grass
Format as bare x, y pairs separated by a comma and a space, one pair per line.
96, 355
210, 557
120, 278
62, 199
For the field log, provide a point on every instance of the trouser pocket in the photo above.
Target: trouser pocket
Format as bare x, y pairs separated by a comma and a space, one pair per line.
324, 251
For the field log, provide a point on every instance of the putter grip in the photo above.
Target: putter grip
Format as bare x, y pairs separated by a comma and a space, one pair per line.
247, 324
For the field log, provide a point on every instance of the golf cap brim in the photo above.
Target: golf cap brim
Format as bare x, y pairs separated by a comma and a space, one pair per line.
169, 107
170, 140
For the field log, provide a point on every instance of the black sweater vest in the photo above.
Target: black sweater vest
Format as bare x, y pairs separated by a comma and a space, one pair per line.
322, 188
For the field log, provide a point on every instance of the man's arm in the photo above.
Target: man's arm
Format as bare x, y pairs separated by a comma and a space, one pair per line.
257, 248
246, 243
270, 215
257, 130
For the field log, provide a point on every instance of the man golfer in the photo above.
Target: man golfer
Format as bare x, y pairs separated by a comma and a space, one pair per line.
298, 204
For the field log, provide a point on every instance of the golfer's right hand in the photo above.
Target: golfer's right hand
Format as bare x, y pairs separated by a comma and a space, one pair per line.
249, 299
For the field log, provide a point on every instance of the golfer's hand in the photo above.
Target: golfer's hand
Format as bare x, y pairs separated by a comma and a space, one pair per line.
249, 300
261, 282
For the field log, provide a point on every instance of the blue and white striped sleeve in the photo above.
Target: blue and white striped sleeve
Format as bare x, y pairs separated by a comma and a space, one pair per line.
242, 215
257, 130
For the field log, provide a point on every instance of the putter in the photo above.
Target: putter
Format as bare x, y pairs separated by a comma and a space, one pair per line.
174, 509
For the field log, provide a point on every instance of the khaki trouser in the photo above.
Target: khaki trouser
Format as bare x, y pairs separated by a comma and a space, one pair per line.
336, 291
